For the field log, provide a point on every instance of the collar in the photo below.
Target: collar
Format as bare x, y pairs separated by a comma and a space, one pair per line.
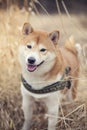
60, 85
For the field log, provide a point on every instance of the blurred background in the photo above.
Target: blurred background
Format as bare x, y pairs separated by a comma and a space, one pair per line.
50, 5
69, 17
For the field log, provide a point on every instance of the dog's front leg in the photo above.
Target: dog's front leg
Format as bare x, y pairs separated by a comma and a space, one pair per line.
27, 106
53, 108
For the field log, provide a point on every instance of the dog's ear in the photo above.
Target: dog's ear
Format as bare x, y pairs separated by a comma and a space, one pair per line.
27, 29
54, 37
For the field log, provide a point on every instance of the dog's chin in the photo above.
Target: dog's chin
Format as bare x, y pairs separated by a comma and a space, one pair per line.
32, 68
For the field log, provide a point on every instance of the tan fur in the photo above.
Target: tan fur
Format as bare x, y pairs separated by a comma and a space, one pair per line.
70, 59
70, 45
71, 55
56, 59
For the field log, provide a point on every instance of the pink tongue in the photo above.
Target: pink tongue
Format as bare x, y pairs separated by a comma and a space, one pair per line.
31, 67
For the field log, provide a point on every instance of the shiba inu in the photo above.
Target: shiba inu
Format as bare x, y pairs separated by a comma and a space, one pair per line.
43, 63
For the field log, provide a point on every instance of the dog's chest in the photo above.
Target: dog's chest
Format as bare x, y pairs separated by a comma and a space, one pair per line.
39, 83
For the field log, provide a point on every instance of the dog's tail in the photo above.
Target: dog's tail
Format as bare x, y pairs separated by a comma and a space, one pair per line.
71, 46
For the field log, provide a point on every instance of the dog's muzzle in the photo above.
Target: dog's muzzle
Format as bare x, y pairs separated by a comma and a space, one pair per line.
31, 66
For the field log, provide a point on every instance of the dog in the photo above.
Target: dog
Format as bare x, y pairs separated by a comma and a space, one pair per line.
43, 63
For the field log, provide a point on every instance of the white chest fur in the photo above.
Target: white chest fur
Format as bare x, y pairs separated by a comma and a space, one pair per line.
38, 83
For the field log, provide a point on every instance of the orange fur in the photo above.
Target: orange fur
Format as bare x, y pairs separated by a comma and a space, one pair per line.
48, 67
65, 56
70, 58
70, 45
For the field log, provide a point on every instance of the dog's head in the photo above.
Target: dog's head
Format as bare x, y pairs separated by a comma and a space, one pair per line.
37, 50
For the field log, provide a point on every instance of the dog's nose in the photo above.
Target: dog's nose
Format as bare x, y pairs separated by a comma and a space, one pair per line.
31, 60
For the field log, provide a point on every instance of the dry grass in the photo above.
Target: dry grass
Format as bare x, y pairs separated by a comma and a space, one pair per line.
11, 115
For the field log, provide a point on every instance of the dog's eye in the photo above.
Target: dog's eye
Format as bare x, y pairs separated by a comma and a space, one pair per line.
43, 50
29, 46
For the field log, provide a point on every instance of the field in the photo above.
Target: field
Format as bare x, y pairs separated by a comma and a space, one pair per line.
11, 115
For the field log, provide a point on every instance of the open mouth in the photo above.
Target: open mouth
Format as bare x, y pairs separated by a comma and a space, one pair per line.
32, 68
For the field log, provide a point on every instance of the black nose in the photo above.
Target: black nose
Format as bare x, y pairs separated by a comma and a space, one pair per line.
31, 60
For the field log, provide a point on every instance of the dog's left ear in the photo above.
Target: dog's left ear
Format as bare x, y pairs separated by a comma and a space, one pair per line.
27, 29
54, 37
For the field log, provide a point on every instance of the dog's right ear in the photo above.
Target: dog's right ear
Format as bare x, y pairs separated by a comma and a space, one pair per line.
27, 29
54, 37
